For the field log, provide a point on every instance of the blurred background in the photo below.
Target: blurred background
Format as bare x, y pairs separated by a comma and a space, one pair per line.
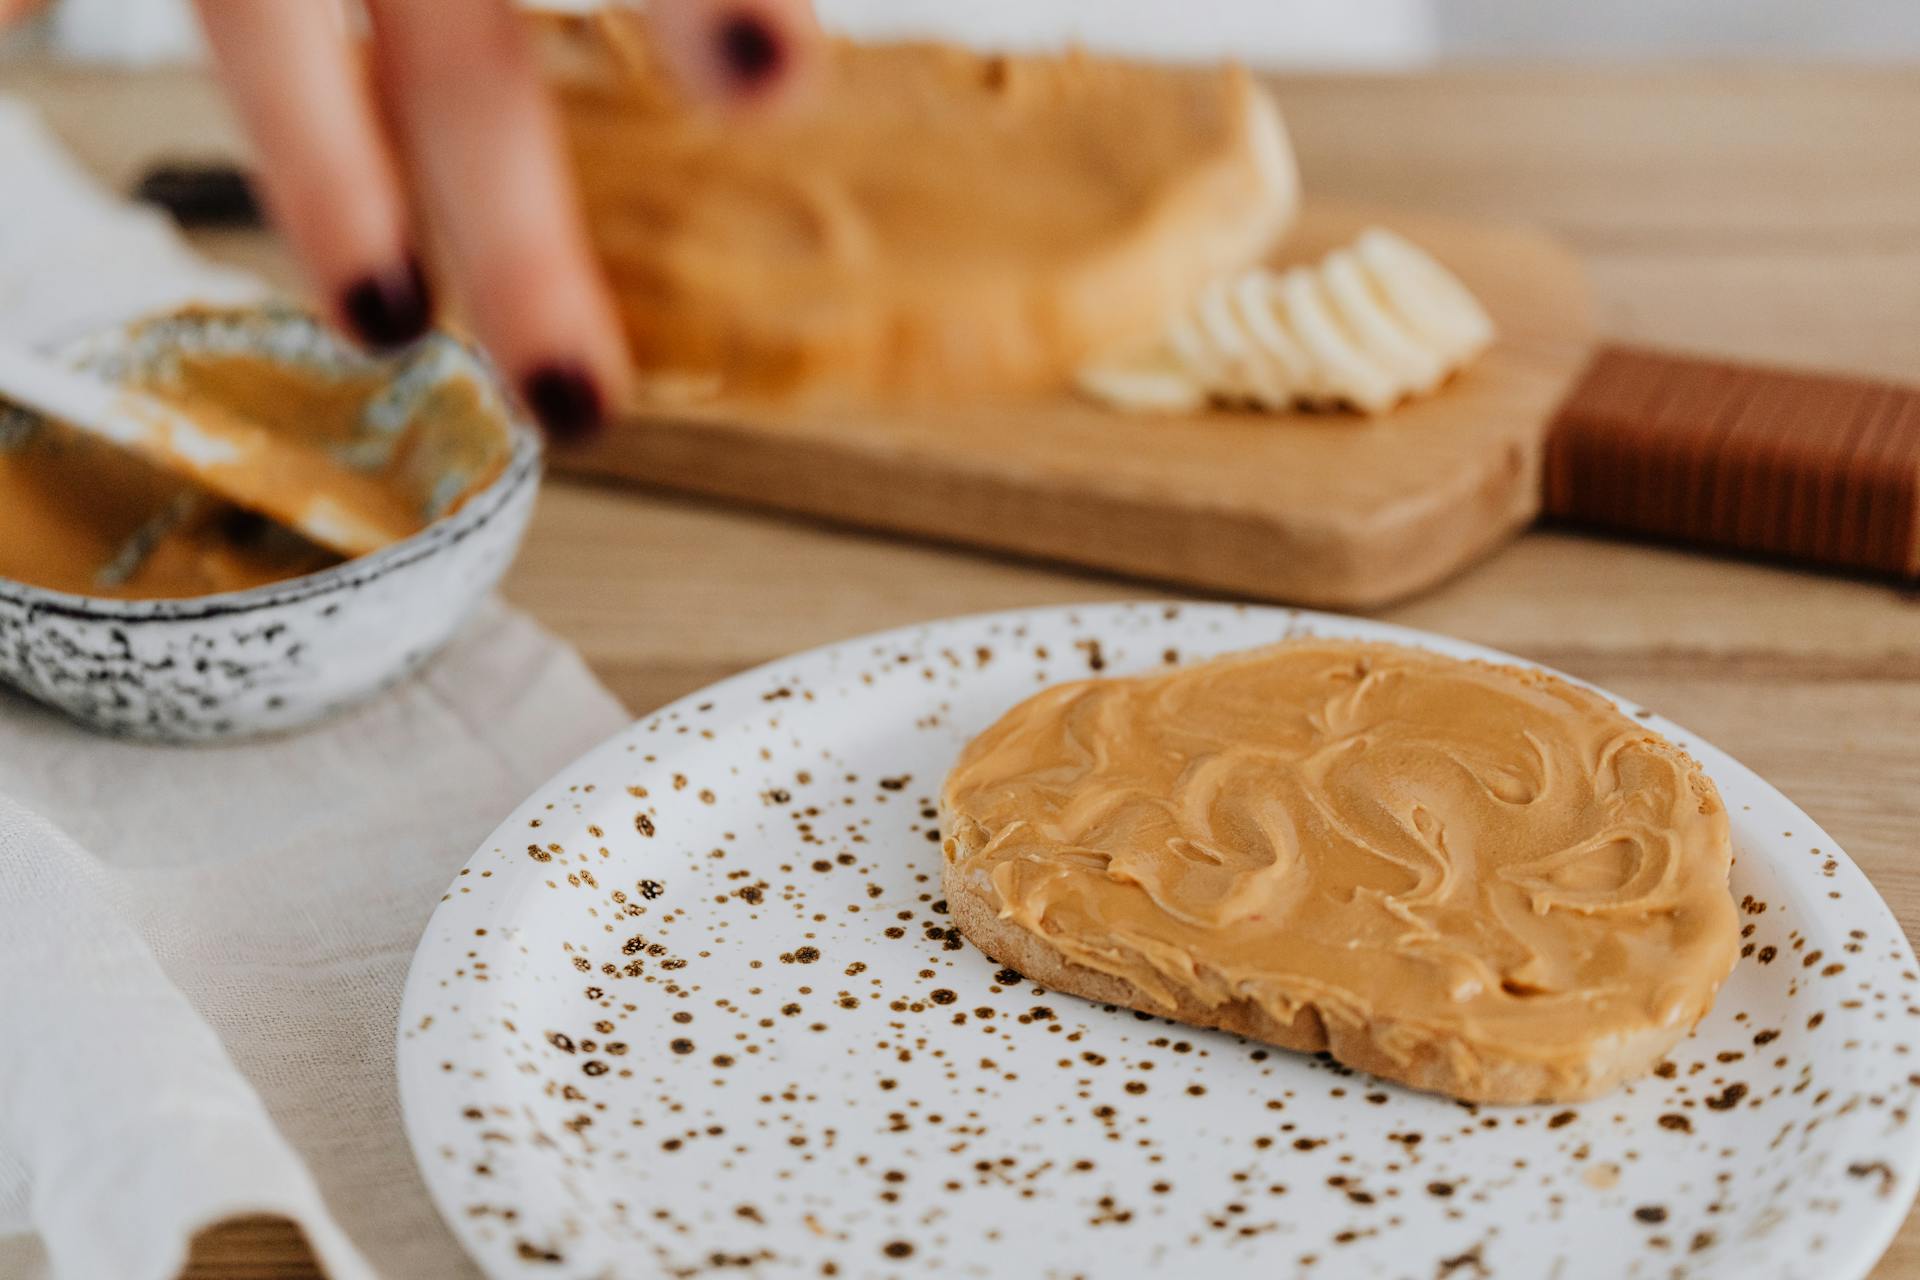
1356, 33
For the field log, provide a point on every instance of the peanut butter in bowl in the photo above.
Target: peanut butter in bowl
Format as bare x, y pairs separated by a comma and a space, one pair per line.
81, 516
145, 605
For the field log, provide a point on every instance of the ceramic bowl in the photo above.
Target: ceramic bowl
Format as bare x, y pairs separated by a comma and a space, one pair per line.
277, 657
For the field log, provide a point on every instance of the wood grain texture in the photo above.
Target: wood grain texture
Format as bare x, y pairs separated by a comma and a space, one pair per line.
1333, 509
1818, 468
1765, 214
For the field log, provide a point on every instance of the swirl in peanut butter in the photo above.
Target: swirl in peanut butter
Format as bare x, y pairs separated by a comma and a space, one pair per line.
82, 516
1484, 857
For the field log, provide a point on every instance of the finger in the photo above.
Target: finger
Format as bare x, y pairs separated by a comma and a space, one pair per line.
12, 10
327, 175
485, 150
740, 52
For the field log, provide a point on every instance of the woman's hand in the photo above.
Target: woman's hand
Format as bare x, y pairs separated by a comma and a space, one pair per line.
479, 149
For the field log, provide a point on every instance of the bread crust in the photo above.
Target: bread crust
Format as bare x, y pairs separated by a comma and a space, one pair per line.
1453, 1068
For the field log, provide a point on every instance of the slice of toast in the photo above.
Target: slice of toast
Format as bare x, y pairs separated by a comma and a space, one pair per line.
926, 221
1476, 880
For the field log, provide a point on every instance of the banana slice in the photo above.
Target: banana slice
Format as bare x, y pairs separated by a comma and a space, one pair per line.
1415, 367
1192, 350
1257, 307
1350, 377
1365, 328
1145, 386
1252, 376
1428, 296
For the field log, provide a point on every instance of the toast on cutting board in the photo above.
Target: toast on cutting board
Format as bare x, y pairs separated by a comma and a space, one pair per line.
1477, 880
996, 445
930, 221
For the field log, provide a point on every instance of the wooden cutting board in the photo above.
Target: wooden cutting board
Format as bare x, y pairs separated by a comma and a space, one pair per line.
1332, 510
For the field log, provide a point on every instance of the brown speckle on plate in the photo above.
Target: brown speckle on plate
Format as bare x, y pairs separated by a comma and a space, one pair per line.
782, 1055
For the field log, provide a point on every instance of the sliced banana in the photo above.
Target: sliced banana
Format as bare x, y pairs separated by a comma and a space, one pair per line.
1258, 308
1194, 351
1251, 375
1144, 387
1429, 296
1414, 366
1364, 328
1348, 371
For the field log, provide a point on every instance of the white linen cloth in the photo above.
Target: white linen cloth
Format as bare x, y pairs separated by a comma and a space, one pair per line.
202, 949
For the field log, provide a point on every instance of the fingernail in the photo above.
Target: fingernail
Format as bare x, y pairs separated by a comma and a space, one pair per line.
752, 53
201, 195
566, 401
390, 310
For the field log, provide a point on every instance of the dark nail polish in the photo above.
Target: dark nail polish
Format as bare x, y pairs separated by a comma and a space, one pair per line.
212, 194
750, 50
390, 310
565, 400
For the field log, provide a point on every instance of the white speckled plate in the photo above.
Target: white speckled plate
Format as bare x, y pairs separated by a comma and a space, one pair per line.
695, 1007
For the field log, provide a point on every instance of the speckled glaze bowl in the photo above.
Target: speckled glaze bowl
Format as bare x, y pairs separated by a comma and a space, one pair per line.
284, 655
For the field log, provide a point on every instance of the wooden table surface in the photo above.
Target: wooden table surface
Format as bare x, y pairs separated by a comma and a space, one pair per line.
1766, 213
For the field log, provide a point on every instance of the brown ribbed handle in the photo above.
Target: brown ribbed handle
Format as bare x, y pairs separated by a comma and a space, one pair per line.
1814, 467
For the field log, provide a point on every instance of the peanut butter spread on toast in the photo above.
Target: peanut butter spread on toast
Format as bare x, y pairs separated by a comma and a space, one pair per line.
1451, 857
